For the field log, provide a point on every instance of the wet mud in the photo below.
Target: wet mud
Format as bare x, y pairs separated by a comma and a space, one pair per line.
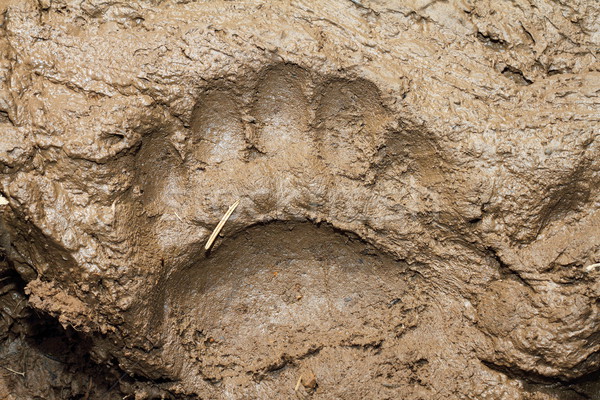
418, 190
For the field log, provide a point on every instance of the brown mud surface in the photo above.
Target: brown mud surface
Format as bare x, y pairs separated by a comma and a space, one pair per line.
418, 187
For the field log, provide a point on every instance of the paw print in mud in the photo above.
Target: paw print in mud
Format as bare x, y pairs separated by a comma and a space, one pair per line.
292, 119
291, 142
292, 146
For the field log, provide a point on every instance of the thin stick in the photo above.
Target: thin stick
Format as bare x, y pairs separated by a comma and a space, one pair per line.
591, 267
217, 230
13, 371
298, 384
116, 383
89, 388
177, 215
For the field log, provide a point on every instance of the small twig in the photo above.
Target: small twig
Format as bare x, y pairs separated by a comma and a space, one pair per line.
217, 230
358, 3
114, 385
592, 267
177, 215
89, 388
298, 384
13, 371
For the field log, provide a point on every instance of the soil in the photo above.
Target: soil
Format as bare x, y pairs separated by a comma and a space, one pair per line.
418, 187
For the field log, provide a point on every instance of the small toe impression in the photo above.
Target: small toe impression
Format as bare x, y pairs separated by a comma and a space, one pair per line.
282, 111
159, 178
350, 124
217, 133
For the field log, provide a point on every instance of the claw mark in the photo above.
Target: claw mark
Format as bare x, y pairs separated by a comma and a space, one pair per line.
213, 236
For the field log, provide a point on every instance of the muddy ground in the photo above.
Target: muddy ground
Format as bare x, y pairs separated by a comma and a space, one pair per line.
418, 187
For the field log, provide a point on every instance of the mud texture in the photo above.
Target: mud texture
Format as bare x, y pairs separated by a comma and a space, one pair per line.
419, 196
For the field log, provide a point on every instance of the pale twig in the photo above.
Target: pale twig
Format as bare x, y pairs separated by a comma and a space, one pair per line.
298, 383
592, 267
220, 225
13, 371
177, 215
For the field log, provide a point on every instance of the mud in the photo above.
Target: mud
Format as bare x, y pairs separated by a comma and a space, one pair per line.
418, 185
